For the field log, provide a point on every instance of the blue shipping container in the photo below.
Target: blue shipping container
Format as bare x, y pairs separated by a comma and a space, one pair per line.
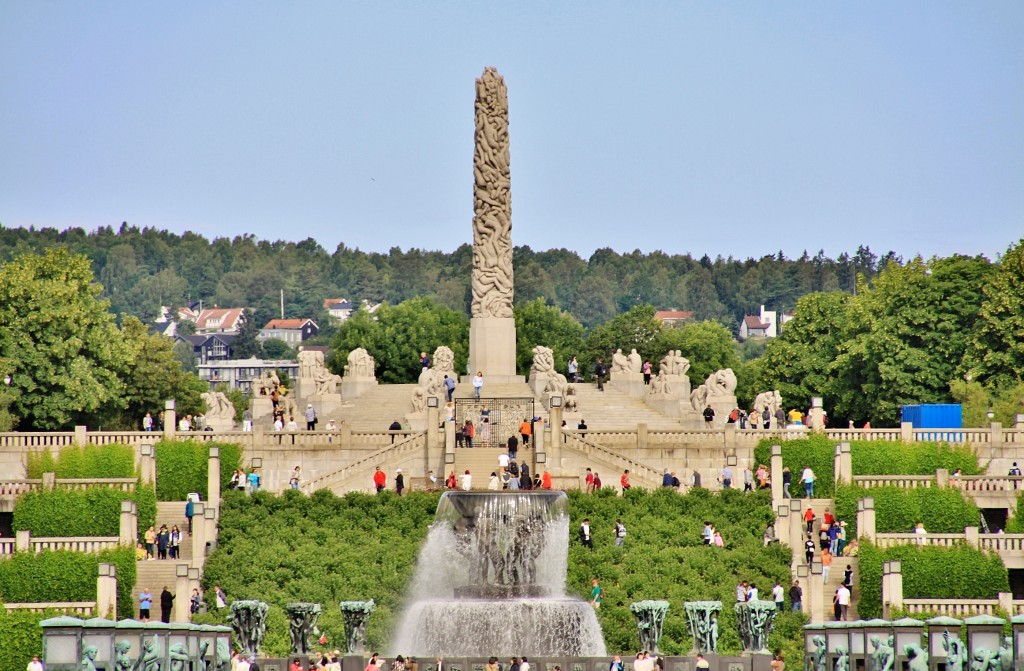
934, 416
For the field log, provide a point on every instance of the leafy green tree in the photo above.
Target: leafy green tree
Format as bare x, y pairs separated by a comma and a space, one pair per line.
275, 348
708, 345
636, 328
540, 324
64, 344
996, 351
395, 336
247, 344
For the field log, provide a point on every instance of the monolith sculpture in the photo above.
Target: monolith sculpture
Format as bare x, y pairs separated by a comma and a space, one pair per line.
492, 331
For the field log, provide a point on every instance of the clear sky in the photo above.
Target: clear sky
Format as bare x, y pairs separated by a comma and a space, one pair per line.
731, 128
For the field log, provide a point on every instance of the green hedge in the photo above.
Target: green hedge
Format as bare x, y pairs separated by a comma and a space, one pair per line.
181, 467
89, 512
897, 510
91, 461
326, 548
962, 572
869, 457
65, 576
20, 637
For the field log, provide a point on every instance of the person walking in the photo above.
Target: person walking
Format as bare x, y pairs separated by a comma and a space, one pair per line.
166, 603
600, 370
709, 417
189, 514
807, 477
526, 430
145, 603
573, 370
379, 480
310, 417
449, 387
478, 383
585, 538
796, 595
399, 481
620, 532
596, 595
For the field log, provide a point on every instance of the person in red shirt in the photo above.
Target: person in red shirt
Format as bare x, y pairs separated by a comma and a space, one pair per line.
379, 480
828, 518
545, 480
624, 480
451, 482
589, 481
809, 518
296, 665
597, 481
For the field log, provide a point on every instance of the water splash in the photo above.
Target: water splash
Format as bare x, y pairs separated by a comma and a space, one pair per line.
490, 580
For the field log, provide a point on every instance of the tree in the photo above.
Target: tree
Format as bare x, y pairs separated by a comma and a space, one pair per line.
996, 351
64, 345
540, 324
395, 336
247, 344
708, 345
275, 348
636, 328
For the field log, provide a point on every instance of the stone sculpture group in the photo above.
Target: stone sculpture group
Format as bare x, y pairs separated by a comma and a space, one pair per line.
312, 367
702, 619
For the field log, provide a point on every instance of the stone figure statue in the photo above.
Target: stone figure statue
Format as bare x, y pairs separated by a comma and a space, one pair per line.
556, 384
122, 661
702, 618
819, 657
223, 654
88, 662
309, 362
204, 649
842, 658
444, 361
660, 384
956, 651
918, 658
650, 616
302, 619
266, 383
636, 363
883, 656
985, 660
770, 400
218, 406
569, 402
674, 363
699, 397
492, 283
543, 361
178, 654
620, 364
326, 381
249, 621
355, 614
721, 383
754, 620
360, 364
1006, 654
151, 654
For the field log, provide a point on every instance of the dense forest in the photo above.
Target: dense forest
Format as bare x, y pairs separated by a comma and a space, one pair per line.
142, 269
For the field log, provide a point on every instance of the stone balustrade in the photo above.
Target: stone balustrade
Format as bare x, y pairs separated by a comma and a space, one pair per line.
87, 544
84, 608
956, 608
888, 540
902, 481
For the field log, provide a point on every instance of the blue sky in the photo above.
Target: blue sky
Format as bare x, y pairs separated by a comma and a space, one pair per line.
726, 128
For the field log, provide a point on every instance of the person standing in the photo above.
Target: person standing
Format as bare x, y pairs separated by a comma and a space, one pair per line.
787, 480
190, 511
147, 423
449, 387
163, 540
826, 564
709, 417
220, 598
620, 532
596, 595
247, 420
726, 476
588, 482
780, 418
624, 481
424, 360
573, 369
196, 602
145, 603
175, 547
395, 426
807, 477
295, 481
748, 479
468, 432
379, 480
600, 370
35, 664
310, 417
478, 383
796, 596
399, 481
150, 537
646, 370
166, 603
585, 538
513, 447
843, 596
778, 597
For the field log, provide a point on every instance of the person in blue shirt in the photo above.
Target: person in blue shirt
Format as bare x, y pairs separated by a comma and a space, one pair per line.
145, 603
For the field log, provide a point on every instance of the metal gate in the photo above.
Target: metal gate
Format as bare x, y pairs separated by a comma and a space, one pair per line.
495, 419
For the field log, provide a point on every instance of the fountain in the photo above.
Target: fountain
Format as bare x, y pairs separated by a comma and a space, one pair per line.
490, 580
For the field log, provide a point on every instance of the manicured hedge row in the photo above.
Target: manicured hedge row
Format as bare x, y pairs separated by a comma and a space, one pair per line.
869, 457
181, 467
20, 637
65, 576
326, 549
930, 572
897, 510
91, 461
88, 512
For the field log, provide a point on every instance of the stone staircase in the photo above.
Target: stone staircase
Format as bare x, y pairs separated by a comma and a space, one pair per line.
613, 409
482, 461
835, 579
155, 574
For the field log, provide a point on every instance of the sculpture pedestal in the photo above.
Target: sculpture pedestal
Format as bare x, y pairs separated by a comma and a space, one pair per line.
262, 407
417, 421
492, 349
304, 387
628, 383
537, 382
324, 402
220, 424
680, 386
352, 387
666, 404
722, 405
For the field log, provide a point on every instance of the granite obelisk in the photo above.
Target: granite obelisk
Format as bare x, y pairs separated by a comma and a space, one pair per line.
492, 330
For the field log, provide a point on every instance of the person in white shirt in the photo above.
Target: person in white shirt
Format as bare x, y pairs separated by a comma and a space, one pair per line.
503, 463
843, 595
35, 664
752, 592
778, 597
478, 383
467, 481
524, 665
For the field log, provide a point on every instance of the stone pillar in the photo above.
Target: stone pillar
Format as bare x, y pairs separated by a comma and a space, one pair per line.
22, 541
198, 532
817, 415
892, 587
554, 448
213, 478
782, 522
1018, 421
796, 526
170, 419
907, 432
538, 437
729, 435
816, 584
971, 536
433, 419
81, 435
942, 477
210, 519
997, 434
776, 465
449, 440
803, 578
49, 481
147, 463
1006, 601
641, 439
128, 529
106, 591
844, 464
182, 595
866, 519
345, 435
